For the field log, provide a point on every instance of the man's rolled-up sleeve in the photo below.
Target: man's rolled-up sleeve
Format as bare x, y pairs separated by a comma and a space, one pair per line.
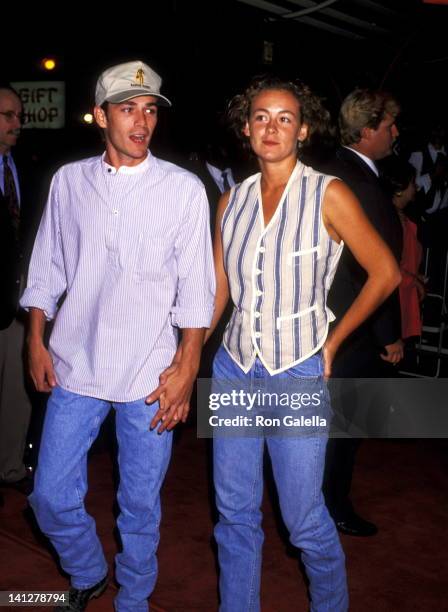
196, 275
46, 275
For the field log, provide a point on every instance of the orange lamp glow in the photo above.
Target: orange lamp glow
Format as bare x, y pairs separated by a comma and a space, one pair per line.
48, 63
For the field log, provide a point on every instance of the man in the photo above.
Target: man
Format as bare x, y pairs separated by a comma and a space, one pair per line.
15, 405
125, 237
211, 165
431, 168
431, 165
368, 131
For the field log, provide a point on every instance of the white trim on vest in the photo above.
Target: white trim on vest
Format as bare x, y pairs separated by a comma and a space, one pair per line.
295, 230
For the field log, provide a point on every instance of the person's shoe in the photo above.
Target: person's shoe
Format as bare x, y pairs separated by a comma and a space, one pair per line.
79, 598
24, 485
354, 525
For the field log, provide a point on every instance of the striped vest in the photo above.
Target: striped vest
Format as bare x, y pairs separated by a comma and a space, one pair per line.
279, 275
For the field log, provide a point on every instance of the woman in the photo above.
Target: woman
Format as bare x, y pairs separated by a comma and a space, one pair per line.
399, 176
279, 236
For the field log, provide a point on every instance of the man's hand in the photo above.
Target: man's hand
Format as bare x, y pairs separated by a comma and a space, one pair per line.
173, 393
163, 379
40, 367
173, 367
176, 382
394, 352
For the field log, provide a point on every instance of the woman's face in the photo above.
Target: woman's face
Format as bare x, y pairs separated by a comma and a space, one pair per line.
403, 198
274, 125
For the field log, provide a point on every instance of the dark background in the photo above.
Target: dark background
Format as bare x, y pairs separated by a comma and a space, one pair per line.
207, 51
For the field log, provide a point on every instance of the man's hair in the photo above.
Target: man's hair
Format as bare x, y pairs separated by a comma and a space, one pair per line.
312, 112
5, 86
364, 108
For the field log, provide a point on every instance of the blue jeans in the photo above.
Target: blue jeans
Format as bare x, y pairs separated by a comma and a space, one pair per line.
297, 464
72, 423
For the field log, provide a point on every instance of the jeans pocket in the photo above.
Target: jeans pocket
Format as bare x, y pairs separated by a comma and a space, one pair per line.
311, 369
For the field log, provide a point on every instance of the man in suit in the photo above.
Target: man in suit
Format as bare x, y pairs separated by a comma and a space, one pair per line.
15, 405
431, 166
368, 131
212, 166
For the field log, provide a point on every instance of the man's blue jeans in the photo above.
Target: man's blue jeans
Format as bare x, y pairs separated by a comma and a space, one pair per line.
72, 423
297, 465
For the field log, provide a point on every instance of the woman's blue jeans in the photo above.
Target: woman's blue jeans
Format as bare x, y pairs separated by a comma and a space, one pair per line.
297, 465
72, 423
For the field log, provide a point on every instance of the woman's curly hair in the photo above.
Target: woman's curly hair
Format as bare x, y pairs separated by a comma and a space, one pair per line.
312, 111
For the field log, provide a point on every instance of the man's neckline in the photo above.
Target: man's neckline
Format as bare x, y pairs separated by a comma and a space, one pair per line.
138, 169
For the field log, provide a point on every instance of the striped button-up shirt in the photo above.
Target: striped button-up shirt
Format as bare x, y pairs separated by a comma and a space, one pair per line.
130, 251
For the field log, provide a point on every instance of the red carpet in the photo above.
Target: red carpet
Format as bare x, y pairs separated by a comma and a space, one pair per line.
401, 485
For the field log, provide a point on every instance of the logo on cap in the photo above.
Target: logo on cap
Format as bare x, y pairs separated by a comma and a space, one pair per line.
140, 76
129, 80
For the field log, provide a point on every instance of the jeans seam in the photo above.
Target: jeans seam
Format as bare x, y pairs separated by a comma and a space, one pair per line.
254, 525
316, 492
79, 476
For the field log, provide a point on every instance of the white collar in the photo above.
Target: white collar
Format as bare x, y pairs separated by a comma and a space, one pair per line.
365, 159
217, 176
433, 151
141, 167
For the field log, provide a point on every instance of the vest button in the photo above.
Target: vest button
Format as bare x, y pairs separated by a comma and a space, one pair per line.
257, 314
258, 271
257, 334
262, 249
258, 293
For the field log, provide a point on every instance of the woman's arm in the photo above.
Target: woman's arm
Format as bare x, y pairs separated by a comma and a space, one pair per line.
222, 283
344, 219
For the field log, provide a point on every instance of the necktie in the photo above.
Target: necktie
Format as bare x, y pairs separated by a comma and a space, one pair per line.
10, 194
441, 158
225, 181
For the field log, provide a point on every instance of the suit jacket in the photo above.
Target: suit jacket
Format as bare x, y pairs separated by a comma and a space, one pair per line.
383, 326
15, 254
9, 266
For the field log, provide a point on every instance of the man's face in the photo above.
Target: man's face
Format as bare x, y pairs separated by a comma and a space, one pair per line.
10, 122
382, 139
128, 128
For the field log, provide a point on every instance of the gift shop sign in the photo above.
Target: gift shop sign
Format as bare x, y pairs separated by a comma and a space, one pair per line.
43, 103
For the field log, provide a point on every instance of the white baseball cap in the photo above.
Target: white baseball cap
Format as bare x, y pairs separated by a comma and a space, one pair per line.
126, 81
